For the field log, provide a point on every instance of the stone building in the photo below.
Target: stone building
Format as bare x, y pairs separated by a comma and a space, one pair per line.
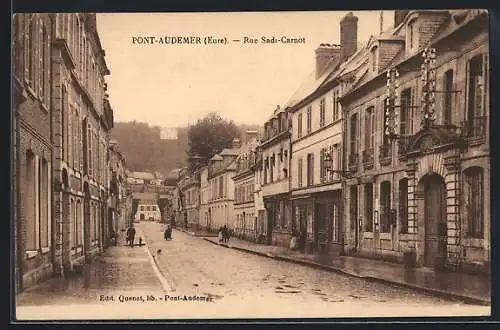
189, 186
32, 157
61, 137
221, 170
147, 209
417, 119
246, 225
204, 199
274, 178
118, 188
82, 118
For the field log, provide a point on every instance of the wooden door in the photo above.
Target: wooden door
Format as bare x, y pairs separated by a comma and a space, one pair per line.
435, 221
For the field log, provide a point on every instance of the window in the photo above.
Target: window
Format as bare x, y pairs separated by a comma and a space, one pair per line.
448, 88
44, 67
64, 123
477, 82
337, 156
474, 192
310, 169
299, 172
299, 125
354, 138
368, 207
335, 105
309, 119
142, 208
411, 35
271, 168
148, 208
353, 205
374, 59
403, 205
30, 201
30, 52
221, 187
385, 206
406, 117
370, 128
322, 113
43, 202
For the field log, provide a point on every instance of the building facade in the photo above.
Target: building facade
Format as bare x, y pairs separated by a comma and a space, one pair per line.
189, 186
317, 143
118, 188
204, 199
61, 136
33, 150
221, 170
246, 225
420, 191
276, 154
148, 210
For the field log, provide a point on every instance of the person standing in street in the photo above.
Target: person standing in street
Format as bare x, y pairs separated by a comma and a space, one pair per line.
131, 235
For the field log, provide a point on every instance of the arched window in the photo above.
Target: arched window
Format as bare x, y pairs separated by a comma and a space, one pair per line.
474, 196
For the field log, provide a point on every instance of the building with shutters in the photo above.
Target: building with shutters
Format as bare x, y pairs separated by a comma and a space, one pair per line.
417, 146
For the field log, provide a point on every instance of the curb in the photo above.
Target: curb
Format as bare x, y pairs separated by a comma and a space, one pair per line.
433, 292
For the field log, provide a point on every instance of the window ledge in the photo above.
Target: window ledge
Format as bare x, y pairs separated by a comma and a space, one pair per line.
31, 254
45, 249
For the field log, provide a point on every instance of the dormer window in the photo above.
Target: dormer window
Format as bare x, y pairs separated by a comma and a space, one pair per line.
411, 35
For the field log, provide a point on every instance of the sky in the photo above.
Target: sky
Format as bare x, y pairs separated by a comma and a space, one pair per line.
174, 85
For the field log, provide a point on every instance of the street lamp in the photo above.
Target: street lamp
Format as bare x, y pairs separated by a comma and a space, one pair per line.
328, 166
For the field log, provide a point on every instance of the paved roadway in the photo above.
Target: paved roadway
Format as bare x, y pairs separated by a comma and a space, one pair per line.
256, 286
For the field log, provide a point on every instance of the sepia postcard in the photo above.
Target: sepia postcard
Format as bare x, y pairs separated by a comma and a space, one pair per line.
251, 165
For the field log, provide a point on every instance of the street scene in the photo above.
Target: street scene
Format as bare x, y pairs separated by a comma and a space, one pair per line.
255, 169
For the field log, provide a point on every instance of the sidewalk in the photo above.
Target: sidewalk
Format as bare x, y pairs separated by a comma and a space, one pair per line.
474, 289
119, 270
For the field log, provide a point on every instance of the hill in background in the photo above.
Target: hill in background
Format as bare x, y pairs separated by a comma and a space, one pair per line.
144, 150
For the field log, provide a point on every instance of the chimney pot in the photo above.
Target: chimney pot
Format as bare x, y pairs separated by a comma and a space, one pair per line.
348, 35
399, 16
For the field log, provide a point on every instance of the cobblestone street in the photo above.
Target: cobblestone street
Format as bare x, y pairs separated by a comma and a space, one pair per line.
234, 283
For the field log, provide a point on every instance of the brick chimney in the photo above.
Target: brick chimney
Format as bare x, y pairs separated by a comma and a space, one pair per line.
250, 135
325, 53
399, 16
348, 35
236, 143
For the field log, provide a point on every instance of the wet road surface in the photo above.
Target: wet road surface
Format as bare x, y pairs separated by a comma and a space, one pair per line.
232, 284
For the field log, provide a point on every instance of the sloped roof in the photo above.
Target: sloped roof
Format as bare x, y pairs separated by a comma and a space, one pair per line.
230, 152
217, 157
142, 175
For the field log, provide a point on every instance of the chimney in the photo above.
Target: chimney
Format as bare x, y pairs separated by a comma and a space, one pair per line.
399, 16
348, 35
325, 53
250, 135
236, 143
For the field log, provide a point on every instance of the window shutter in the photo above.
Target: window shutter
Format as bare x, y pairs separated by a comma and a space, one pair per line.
485, 91
322, 166
80, 131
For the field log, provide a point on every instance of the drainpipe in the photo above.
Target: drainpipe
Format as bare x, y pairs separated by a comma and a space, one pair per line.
344, 185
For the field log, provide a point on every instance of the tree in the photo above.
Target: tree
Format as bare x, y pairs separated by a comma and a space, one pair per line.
209, 136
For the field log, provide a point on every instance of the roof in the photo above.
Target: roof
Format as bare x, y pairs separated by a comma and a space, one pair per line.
142, 175
230, 152
217, 157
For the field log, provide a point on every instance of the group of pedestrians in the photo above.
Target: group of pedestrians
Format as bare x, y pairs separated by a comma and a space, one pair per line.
224, 234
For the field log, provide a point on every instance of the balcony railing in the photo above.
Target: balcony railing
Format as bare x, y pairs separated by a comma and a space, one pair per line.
368, 157
475, 127
404, 144
385, 154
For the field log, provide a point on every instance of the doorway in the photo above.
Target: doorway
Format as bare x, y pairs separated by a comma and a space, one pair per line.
435, 237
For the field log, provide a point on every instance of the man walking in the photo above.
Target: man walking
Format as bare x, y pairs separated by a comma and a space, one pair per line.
131, 235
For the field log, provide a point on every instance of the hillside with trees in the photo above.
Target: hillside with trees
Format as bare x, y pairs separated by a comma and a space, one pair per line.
144, 150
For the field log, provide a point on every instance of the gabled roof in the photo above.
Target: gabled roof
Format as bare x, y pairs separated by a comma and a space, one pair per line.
217, 157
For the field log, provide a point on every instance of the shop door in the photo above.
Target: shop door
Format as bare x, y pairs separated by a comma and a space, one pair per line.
435, 221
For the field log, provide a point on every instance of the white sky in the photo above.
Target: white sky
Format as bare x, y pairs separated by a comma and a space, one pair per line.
173, 85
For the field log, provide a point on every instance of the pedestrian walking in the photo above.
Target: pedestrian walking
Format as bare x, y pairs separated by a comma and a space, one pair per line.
131, 235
